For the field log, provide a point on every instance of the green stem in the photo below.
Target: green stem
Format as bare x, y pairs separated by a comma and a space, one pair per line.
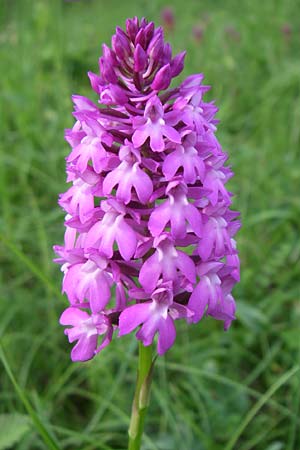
141, 397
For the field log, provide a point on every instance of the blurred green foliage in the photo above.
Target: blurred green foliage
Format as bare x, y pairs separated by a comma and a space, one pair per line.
213, 390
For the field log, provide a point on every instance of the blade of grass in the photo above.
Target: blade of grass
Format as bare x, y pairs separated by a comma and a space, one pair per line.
263, 364
296, 406
259, 404
118, 382
30, 265
40, 427
228, 382
263, 435
122, 416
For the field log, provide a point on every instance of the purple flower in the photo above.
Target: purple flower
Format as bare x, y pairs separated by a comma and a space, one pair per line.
86, 329
214, 182
176, 211
198, 32
166, 262
185, 156
90, 148
153, 126
149, 231
113, 227
129, 175
216, 240
168, 19
208, 290
286, 29
79, 199
211, 295
155, 316
91, 281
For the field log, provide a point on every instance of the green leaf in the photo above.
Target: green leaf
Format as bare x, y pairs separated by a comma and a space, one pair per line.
13, 427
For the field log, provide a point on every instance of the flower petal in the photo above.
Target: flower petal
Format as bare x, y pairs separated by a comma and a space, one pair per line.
166, 335
159, 218
72, 316
84, 349
150, 273
133, 316
126, 240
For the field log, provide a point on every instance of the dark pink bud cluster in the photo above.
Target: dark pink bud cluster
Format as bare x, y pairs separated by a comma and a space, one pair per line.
149, 233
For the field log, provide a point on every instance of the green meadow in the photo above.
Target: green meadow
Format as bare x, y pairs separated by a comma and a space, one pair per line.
238, 390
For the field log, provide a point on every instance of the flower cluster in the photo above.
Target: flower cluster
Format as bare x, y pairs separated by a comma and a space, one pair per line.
149, 233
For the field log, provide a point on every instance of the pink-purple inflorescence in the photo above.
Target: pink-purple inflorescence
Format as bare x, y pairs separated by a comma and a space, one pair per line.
149, 233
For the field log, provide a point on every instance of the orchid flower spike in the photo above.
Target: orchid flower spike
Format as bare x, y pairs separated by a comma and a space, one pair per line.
149, 231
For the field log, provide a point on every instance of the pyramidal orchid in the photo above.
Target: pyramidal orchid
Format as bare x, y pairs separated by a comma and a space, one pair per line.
149, 232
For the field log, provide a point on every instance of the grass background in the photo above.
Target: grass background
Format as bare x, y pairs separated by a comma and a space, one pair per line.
213, 390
